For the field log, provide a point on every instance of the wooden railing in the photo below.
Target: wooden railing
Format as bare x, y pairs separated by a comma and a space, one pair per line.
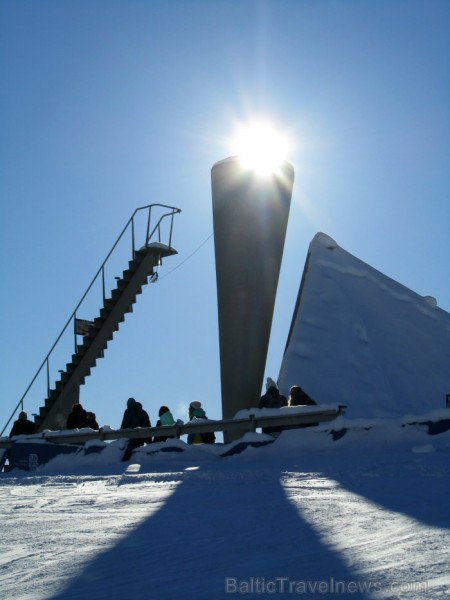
243, 425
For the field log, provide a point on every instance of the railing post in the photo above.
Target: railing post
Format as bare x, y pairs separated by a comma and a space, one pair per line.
75, 345
103, 283
132, 237
252, 424
48, 377
171, 227
148, 225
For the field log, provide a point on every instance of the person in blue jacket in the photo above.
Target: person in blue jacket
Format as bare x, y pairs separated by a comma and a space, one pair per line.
165, 418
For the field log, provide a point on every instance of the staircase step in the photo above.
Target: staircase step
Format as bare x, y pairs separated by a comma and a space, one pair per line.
109, 303
122, 284
105, 312
65, 376
38, 420
140, 254
49, 403
43, 411
128, 274
98, 322
133, 264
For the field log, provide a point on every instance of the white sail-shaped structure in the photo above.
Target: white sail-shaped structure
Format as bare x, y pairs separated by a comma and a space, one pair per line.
362, 339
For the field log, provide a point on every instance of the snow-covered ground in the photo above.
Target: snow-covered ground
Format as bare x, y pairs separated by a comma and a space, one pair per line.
366, 516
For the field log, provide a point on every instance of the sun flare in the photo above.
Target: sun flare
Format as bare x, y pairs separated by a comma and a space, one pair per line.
261, 147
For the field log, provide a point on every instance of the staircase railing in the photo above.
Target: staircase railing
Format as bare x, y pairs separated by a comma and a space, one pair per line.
130, 226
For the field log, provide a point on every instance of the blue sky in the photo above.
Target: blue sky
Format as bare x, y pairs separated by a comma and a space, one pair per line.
110, 105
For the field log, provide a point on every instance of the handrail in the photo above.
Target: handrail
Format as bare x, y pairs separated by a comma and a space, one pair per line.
287, 418
172, 212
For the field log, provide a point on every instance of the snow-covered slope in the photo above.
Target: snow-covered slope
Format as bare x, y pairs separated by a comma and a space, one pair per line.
362, 517
361, 339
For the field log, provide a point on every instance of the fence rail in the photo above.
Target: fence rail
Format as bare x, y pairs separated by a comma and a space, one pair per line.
243, 425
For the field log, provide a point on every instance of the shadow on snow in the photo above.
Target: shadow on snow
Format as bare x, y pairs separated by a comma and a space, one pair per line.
219, 523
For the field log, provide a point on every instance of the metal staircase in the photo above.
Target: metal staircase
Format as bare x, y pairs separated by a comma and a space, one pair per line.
53, 414
98, 332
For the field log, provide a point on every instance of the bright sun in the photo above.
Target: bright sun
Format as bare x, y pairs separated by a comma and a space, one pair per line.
261, 147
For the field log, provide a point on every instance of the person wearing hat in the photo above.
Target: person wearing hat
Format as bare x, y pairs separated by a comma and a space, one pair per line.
272, 398
22, 426
196, 412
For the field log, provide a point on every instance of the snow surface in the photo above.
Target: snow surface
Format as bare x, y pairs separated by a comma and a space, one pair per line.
364, 340
366, 516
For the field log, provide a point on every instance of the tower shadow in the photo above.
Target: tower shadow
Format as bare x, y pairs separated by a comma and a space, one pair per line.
223, 533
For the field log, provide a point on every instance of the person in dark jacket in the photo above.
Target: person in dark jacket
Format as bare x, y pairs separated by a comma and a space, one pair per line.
92, 420
144, 420
133, 417
130, 418
22, 426
298, 397
77, 419
196, 412
272, 398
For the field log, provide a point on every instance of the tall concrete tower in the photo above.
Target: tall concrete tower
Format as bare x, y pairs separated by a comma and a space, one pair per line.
250, 215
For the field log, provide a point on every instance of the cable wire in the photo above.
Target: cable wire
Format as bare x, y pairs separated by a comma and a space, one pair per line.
186, 259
